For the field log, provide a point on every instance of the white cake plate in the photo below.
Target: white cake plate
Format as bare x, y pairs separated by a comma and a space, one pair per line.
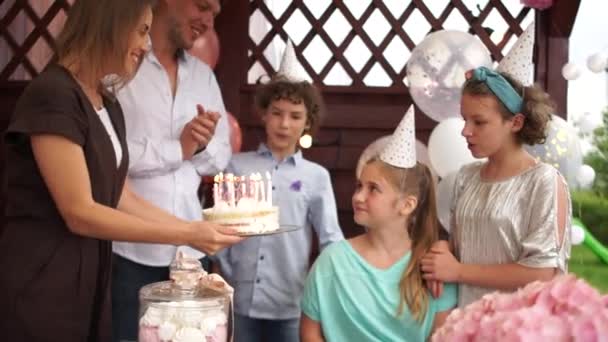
285, 228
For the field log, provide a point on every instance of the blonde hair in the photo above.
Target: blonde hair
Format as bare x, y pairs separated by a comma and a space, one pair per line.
97, 33
422, 227
537, 107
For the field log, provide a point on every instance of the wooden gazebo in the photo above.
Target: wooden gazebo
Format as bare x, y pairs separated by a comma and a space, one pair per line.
357, 113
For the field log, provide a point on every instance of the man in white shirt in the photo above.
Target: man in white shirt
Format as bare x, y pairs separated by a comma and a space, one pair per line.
177, 131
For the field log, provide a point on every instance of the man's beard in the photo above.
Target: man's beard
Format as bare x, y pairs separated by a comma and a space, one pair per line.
176, 36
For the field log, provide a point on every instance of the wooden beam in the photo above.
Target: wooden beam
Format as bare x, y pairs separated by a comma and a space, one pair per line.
232, 26
551, 48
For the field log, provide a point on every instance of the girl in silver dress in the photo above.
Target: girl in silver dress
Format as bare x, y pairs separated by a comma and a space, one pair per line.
510, 215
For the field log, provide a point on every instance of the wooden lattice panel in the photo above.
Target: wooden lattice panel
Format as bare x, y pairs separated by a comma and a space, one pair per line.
363, 43
27, 35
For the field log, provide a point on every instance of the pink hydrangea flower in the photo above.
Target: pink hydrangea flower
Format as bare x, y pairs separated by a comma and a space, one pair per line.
563, 309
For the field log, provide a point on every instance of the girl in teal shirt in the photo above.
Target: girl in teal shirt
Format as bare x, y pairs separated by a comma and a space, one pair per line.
370, 288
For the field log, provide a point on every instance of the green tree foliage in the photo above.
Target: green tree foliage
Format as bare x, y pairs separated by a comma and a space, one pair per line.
598, 158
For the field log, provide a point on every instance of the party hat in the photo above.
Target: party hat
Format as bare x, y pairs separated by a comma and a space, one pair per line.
518, 61
401, 149
290, 68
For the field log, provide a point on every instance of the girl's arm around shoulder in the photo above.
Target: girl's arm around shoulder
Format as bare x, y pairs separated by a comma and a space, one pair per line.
442, 265
310, 330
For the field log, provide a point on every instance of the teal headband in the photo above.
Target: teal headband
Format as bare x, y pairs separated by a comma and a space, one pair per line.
503, 90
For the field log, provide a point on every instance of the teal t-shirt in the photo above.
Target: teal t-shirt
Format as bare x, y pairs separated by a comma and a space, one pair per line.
355, 301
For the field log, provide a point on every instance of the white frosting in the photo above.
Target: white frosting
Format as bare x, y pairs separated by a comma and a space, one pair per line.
246, 204
166, 331
222, 207
189, 335
259, 221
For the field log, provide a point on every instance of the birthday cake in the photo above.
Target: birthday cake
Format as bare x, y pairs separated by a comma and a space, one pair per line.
243, 203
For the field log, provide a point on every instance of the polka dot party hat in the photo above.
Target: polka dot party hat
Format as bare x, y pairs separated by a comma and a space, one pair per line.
290, 68
401, 149
518, 61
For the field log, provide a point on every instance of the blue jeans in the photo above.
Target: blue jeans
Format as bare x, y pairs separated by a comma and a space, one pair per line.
128, 278
249, 329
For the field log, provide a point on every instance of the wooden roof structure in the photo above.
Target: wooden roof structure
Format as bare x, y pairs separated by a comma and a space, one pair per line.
357, 112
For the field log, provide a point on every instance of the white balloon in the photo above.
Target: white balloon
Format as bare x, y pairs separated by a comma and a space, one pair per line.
577, 235
422, 156
561, 149
585, 176
589, 122
444, 194
571, 71
448, 149
586, 147
597, 62
436, 71
422, 153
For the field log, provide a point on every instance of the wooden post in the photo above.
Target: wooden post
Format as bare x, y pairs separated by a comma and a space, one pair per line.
232, 26
553, 29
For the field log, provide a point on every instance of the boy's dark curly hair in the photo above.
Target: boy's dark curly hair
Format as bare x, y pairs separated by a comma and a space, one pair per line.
280, 88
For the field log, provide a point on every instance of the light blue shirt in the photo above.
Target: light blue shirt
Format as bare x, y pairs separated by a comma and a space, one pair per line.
268, 272
355, 301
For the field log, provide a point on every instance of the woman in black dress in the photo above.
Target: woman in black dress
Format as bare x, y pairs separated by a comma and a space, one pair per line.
66, 162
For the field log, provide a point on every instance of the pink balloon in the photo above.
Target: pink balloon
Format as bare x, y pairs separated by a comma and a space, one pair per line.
236, 135
207, 48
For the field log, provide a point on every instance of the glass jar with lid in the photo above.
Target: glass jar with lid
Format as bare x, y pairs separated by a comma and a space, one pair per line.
187, 308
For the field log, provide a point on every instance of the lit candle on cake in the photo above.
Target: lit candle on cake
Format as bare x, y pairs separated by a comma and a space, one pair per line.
220, 187
230, 184
243, 187
268, 189
216, 189
250, 187
256, 187
262, 192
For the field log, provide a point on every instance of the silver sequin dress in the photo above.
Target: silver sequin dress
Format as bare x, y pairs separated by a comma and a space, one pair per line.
508, 221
